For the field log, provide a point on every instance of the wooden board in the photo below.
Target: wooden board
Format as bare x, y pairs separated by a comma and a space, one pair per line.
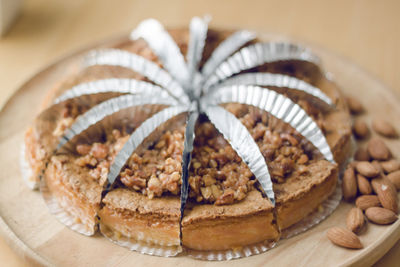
39, 237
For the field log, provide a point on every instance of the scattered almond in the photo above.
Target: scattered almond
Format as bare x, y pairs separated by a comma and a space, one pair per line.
377, 182
380, 215
377, 149
384, 128
378, 166
390, 165
344, 238
360, 129
367, 201
353, 164
355, 220
364, 187
361, 154
355, 105
367, 169
394, 177
349, 184
387, 196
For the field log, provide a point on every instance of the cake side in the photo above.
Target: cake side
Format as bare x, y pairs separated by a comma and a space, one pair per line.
211, 227
131, 214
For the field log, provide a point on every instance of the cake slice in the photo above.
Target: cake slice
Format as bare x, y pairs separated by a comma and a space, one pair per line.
134, 220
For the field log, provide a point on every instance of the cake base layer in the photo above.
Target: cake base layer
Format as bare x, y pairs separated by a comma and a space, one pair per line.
60, 182
305, 196
134, 216
210, 227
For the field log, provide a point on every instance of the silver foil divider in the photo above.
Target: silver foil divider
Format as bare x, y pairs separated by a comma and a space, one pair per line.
141, 65
164, 47
243, 143
125, 86
275, 80
198, 35
138, 136
187, 157
278, 106
109, 107
225, 49
257, 55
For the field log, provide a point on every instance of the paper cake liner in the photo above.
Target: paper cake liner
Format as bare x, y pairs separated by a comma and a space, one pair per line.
135, 245
231, 254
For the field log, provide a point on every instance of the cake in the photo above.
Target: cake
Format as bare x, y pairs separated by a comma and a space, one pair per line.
217, 150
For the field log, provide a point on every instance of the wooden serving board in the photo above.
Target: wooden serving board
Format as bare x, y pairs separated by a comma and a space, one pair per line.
38, 236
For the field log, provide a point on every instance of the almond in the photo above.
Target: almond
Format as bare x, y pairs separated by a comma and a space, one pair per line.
377, 149
364, 187
378, 166
343, 238
360, 129
361, 154
355, 220
367, 169
380, 215
376, 182
386, 193
394, 177
367, 201
384, 128
355, 105
352, 164
349, 184
390, 165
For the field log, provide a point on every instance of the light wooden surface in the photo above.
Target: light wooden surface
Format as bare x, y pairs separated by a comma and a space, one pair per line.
366, 32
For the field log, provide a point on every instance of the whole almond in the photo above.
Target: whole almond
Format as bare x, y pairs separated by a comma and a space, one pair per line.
387, 196
367, 169
377, 149
355, 105
344, 238
360, 129
352, 164
390, 165
349, 184
364, 187
384, 128
394, 177
378, 181
367, 201
355, 220
380, 215
361, 154
378, 166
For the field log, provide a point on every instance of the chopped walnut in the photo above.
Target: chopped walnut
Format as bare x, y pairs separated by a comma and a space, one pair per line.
98, 157
160, 166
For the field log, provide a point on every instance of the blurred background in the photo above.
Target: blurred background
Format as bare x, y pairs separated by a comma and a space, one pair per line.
366, 32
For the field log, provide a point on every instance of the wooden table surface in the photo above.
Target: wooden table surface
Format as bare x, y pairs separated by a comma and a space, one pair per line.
365, 32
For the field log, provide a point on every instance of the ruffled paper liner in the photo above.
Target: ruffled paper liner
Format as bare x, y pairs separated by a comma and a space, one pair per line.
231, 254
323, 211
61, 214
135, 245
26, 170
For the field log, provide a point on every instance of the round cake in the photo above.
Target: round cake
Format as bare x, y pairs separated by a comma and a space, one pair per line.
189, 139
